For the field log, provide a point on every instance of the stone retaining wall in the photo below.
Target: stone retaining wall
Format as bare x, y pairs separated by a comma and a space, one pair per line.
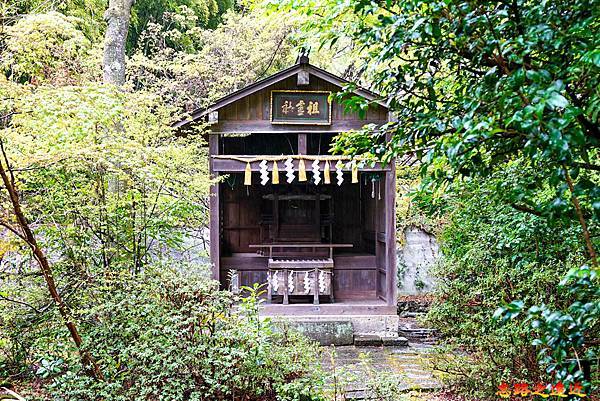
414, 261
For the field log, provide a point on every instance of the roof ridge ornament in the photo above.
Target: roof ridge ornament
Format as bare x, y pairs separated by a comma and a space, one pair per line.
303, 77
303, 56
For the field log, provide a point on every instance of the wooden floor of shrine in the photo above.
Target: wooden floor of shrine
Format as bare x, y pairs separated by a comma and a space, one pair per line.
338, 308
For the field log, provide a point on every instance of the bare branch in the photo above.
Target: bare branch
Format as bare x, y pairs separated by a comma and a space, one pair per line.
525, 209
16, 301
12, 230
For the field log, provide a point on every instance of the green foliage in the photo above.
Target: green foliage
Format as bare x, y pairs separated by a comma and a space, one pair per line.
474, 85
103, 171
492, 254
507, 91
170, 335
244, 49
22, 327
44, 48
164, 14
89, 13
110, 190
566, 338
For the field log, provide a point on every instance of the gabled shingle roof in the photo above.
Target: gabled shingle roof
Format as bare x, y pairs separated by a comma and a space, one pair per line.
279, 76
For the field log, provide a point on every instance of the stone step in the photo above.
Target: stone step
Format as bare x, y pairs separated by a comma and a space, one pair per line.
419, 332
412, 314
424, 336
366, 340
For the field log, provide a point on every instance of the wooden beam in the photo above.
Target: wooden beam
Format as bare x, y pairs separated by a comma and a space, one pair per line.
265, 126
253, 262
236, 166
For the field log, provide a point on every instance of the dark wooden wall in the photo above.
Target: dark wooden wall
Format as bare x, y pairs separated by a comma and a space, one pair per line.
241, 214
358, 219
347, 224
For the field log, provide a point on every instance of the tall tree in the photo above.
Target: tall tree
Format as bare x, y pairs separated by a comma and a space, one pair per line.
117, 17
478, 87
477, 84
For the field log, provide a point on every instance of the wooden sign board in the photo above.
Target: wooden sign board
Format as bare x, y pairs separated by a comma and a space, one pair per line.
300, 107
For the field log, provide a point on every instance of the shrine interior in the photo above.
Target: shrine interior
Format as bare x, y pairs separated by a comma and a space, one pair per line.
300, 213
318, 143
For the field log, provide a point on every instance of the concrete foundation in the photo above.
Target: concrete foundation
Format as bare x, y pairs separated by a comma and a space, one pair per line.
346, 330
325, 332
384, 325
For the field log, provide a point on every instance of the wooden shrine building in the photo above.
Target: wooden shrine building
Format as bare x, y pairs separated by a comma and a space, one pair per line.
317, 229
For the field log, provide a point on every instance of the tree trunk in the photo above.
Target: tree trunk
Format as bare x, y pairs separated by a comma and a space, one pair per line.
584, 228
26, 234
117, 17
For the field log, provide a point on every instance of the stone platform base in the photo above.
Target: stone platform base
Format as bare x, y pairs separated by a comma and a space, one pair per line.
345, 330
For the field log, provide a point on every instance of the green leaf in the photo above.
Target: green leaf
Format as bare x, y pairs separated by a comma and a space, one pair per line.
556, 100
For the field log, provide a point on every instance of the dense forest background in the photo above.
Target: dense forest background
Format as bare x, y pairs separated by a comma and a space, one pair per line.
102, 292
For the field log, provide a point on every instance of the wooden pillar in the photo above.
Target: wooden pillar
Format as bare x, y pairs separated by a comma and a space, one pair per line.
286, 290
316, 287
390, 219
214, 204
379, 288
390, 235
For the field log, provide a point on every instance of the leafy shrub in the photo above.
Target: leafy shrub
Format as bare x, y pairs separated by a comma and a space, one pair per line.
494, 253
566, 340
169, 336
